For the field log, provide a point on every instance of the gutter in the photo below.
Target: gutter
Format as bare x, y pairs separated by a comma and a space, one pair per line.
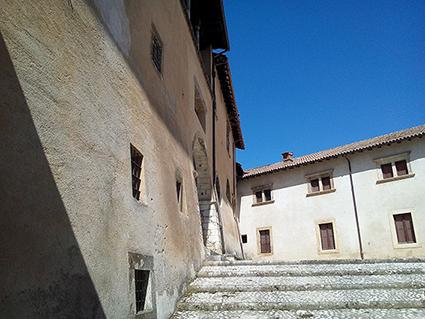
355, 208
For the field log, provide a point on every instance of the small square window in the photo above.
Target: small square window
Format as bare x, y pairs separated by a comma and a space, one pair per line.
136, 170
315, 185
259, 196
141, 284
404, 228
401, 167
327, 238
156, 51
387, 170
244, 239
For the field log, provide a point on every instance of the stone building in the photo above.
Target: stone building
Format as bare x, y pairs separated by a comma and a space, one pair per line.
362, 200
117, 154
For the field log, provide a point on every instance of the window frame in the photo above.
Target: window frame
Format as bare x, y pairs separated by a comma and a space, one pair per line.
319, 176
320, 250
262, 189
392, 159
155, 36
269, 228
418, 237
140, 190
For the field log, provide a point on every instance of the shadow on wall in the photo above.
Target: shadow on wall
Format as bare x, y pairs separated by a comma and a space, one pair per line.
43, 274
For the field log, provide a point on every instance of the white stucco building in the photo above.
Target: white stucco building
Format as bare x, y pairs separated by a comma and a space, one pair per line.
365, 199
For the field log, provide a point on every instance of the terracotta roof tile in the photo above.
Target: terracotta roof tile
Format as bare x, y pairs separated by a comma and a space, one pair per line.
399, 136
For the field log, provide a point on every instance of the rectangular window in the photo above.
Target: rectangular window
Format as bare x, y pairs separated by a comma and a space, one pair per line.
265, 246
141, 284
326, 183
156, 51
259, 196
387, 170
404, 228
327, 238
179, 190
244, 239
267, 195
401, 167
315, 185
136, 170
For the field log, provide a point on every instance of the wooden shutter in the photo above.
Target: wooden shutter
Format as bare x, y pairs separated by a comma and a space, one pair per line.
401, 167
387, 170
404, 228
327, 236
265, 246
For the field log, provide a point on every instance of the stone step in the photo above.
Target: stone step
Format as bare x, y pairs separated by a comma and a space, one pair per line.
287, 283
408, 313
319, 269
304, 300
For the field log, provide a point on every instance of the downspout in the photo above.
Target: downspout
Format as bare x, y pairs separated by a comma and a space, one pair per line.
355, 208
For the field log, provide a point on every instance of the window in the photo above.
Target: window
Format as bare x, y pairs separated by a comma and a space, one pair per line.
141, 287
393, 168
244, 239
262, 195
228, 138
387, 170
136, 170
200, 108
320, 183
265, 244
156, 50
228, 192
404, 228
327, 238
217, 187
401, 168
179, 190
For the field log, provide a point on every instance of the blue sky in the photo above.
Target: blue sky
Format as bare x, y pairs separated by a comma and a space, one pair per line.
311, 75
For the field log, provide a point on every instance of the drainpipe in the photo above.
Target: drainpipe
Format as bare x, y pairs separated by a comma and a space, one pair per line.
355, 209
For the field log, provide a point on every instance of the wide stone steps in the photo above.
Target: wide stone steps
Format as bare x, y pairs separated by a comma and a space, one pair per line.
306, 290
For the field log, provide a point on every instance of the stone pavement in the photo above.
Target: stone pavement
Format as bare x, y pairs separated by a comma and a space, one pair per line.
387, 290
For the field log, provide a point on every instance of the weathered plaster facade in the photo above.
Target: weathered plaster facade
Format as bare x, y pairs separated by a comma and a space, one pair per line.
77, 88
294, 215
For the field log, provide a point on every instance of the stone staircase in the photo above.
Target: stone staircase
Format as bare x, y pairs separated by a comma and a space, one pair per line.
315, 290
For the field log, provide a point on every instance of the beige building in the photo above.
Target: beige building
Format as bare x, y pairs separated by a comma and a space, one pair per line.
119, 128
363, 200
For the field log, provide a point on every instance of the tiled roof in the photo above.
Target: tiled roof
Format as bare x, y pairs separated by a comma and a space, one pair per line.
387, 139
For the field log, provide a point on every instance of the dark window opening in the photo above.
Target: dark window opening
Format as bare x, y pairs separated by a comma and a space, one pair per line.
259, 196
217, 187
401, 167
156, 51
200, 109
228, 192
387, 170
315, 185
265, 245
267, 195
141, 288
327, 236
136, 170
228, 138
179, 190
244, 239
404, 228
326, 183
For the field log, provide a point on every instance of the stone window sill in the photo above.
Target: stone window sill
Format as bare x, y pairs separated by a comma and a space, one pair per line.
263, 203
395, 178
407, 245
321, 192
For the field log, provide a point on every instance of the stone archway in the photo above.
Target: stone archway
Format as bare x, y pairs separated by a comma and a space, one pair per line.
207, 208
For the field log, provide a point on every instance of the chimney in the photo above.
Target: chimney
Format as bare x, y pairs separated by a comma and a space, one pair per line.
287, 156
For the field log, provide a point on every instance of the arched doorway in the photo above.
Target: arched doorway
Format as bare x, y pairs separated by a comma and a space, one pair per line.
207, 209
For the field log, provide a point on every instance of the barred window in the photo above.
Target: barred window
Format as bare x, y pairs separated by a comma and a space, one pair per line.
141, 284
136, 170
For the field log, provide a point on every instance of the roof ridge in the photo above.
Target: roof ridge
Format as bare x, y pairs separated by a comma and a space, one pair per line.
344, 149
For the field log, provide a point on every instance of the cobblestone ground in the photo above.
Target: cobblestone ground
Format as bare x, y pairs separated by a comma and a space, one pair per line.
338, 290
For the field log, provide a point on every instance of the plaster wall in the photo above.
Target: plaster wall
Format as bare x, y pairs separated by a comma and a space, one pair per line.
79, 87
293, 216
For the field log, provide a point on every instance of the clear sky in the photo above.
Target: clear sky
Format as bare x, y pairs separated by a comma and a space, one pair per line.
311, 75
